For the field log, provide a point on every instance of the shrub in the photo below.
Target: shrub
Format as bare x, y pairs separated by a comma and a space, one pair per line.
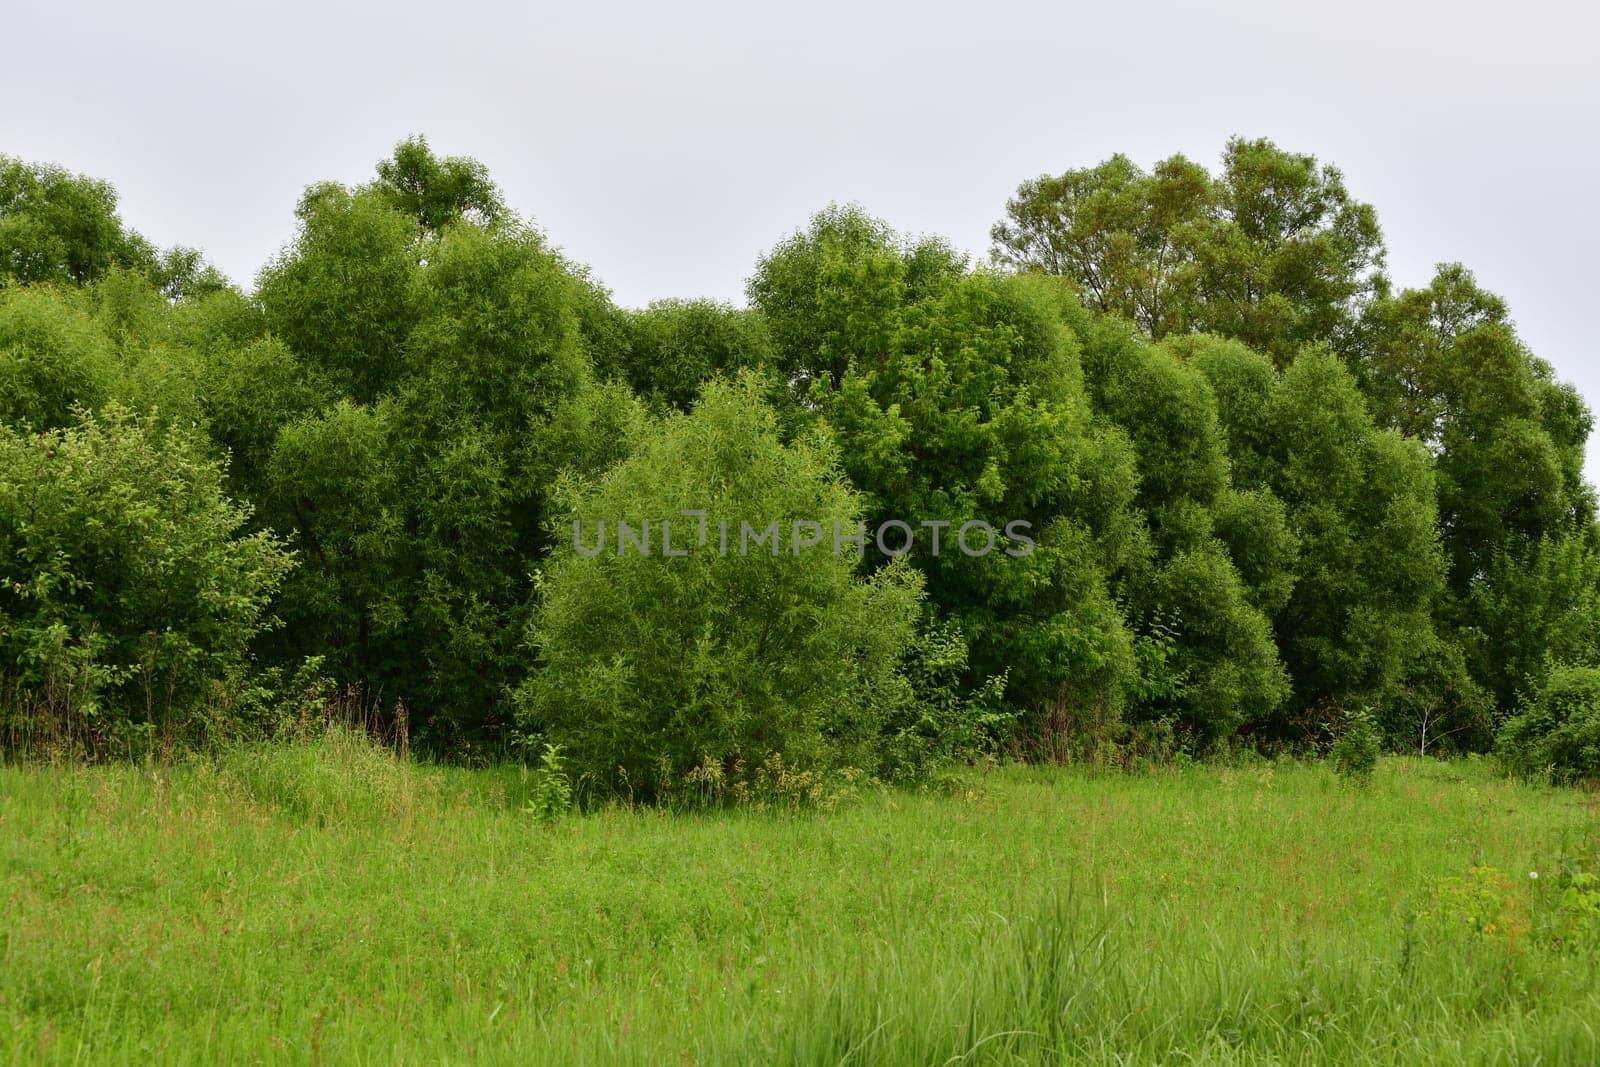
1558, 731
1436, 707
127, 595
52, 358
945, 722
552, 789
650, 667
1355, 753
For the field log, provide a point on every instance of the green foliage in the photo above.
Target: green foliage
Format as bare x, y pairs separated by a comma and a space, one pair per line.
495, 341
651, 666
944, 722
1557, 730
1272, 251
249, 393
1436, 707
1535, 604
425, 382
53, 358
1117, 232
342, 296
1445, 367
675, 346
59, 227
957, 397
1223, 660
1254, 525
331, 481
551, 793
1360, 742
1570, 924
1361, 506
63, 228
129, 596
438, 192
1483, 903
1338, 496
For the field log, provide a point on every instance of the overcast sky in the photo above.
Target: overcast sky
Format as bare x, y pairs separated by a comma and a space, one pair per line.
667, 144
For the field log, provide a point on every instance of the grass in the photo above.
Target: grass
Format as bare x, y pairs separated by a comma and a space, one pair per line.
325, 903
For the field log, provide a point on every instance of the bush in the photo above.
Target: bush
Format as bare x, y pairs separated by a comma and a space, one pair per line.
1355, 753
650, 668
1558, 731
552, 789
944, 722
52, 358
127, 595
1436, 707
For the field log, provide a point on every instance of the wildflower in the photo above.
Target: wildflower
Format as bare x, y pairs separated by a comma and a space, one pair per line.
1533, 875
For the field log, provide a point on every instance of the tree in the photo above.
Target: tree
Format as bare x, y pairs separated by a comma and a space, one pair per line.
1535, 604
1443, 365
675, 346
957, 398
1223, 670
130, 594
332, 484
53, 358
60, 227
438, 192
1360, 503
653, 667
1290, 258
342, 297
1120, 233
1273, 251
456, 341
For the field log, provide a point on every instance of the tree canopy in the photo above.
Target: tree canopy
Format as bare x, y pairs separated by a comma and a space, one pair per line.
1232, 486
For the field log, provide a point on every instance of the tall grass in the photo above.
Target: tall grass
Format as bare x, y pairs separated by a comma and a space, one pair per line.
328, 902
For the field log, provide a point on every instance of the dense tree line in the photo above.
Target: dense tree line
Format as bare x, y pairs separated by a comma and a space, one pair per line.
1263, 490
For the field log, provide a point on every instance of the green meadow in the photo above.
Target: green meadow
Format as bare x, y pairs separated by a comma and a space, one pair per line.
325, 902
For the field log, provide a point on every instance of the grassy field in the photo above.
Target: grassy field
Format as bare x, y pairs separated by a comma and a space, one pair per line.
323, 903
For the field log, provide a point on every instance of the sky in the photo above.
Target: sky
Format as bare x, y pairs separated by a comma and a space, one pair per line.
667, 145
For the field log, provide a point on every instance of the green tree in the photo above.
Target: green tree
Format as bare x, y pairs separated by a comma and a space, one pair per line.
1360, 503
675, 346
331, 481
438, 192
1223, 670
60, 227
129, 593
1443, 365
342, 296
958, 398
1535, 605
53, 357
456, 336
651, 666
1123, 235
1272, 251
